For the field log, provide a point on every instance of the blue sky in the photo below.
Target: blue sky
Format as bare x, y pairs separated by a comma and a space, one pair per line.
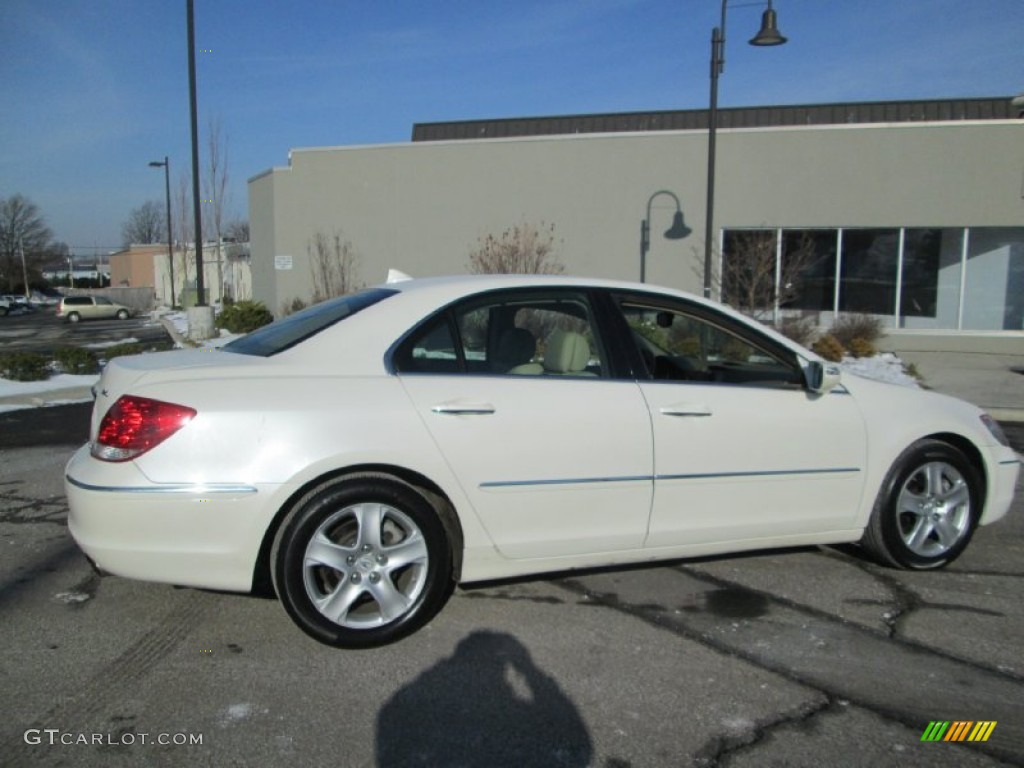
93, 90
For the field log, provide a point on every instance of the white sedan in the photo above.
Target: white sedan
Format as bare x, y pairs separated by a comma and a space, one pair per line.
365, 455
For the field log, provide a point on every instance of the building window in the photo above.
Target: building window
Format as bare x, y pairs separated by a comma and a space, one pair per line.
930, 278
749, 266
867, 280
944, 279
808, 275
994, 283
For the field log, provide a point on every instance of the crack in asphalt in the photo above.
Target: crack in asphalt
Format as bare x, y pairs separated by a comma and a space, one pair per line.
812, 648
53, 510
720, 748
18, 509
907, 601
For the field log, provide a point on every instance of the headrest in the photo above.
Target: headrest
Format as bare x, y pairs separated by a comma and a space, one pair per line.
566, 352
515, 347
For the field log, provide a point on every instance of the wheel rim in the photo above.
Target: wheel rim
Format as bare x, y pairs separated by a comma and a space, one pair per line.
365, 566
934, 509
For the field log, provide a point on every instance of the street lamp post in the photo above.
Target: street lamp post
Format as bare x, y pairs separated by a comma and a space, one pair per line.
677, 231
166, 165
768, 35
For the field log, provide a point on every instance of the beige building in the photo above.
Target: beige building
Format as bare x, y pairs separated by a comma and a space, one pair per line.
132, 267
913, 211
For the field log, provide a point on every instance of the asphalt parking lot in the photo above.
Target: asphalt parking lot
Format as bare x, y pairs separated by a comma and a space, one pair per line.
800, 657
43, 331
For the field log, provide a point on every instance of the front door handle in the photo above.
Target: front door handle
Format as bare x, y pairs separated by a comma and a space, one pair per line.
686, 409
464, 409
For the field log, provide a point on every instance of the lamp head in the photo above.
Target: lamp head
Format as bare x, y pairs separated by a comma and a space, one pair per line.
678, 230
769, 32
156, 164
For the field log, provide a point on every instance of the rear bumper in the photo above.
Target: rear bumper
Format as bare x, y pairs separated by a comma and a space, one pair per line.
194, 535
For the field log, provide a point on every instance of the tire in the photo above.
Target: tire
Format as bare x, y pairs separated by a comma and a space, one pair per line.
74, 317
122, 314
927, 509
385, 562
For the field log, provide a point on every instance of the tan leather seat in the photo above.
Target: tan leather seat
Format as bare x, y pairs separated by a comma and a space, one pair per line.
567, 354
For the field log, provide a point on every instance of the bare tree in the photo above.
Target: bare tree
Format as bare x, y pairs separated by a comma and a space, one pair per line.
749, 268
184, 229
333, 265
23, 230
215, 186
145, 224
523, 249
237, 230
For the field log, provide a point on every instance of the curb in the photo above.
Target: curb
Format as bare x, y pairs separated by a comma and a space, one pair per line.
49, 397
1005, 414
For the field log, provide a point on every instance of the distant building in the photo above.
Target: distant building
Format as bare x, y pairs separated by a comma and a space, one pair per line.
133, 266
226, 273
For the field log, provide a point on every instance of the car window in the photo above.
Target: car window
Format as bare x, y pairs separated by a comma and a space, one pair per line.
103, 301
289, 331
678, 344
76, 301
550, 333
431, 349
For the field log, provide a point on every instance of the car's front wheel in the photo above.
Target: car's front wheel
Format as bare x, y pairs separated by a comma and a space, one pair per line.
927, 508
361, 561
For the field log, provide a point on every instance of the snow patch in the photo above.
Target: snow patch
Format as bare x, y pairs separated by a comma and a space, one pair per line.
882, 367
108, 344
60, 381
72, 597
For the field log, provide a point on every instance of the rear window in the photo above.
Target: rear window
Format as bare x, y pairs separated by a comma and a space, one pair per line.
77, 301
289, 331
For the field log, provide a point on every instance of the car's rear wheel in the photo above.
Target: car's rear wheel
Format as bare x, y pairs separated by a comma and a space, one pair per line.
361, 561
74, 317
122, 314
927, 509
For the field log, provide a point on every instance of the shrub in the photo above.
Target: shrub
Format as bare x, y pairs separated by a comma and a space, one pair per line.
828, 347
24, 366
244, 316
802, 330
846, 328
76, 360
862, 348
293, 306
122, 350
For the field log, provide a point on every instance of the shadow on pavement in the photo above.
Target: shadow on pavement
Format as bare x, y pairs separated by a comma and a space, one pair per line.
488, 705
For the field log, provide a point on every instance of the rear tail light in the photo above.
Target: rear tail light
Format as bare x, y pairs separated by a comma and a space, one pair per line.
133, 425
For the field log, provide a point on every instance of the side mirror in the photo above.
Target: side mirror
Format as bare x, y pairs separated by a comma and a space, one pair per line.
821, 378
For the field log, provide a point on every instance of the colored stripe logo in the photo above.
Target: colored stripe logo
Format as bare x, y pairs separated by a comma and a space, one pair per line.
958, 730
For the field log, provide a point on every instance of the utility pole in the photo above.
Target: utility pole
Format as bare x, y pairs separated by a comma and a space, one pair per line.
24, 270
197, 212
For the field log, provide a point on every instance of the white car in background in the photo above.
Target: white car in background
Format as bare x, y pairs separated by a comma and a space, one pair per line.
370, 452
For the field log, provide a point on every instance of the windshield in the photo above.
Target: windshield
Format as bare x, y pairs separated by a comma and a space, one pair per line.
289, 331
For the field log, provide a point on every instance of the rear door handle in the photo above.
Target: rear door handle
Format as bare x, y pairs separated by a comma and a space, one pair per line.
464, 409
686, 409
